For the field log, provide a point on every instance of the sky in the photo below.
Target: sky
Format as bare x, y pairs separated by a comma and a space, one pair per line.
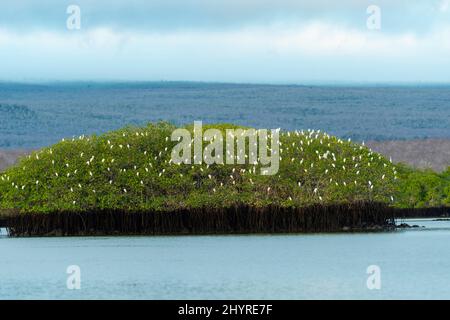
257, 41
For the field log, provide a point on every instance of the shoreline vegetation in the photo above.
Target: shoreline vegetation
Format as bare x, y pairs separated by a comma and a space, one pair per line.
354, 217
123, 182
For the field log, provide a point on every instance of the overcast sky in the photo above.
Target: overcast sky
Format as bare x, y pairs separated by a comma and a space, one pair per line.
278, 41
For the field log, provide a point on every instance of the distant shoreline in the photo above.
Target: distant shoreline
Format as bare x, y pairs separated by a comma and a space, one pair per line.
9, 157
421, 153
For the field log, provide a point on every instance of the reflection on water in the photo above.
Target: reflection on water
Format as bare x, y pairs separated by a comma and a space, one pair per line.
414, 263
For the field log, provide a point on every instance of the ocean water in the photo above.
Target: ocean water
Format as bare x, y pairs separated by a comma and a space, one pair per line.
33, 116
413, 264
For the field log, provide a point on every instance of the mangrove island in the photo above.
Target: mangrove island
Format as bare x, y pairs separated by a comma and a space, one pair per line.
126, 182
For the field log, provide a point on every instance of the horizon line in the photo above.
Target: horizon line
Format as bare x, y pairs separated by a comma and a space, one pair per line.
211, 82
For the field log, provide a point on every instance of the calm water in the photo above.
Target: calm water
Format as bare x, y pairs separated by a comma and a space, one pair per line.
36, 115
414, 264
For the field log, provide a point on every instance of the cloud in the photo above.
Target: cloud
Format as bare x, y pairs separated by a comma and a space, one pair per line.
444, 6
226, 40
316, 51
163, 15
